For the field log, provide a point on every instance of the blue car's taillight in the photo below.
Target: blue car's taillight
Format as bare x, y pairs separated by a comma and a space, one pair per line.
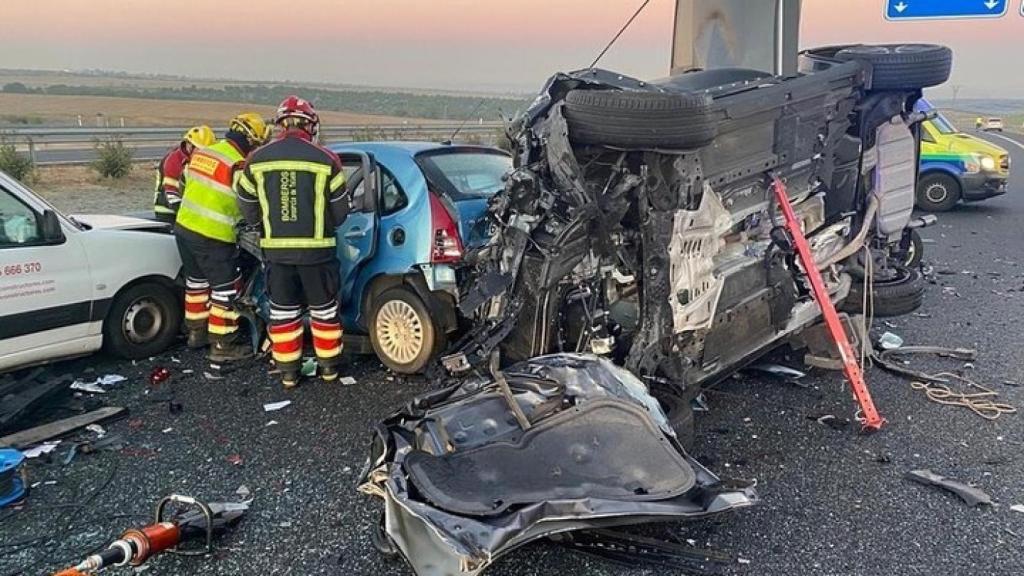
447, 245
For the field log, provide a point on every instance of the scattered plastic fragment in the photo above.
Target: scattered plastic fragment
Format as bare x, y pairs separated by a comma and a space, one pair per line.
159, 375
1017, 508
243, 491
347, 381
167, 430
40, 449
890, 341
212, 376
90, 387
831, 420
743, 561
275, 406
234, 459
271, 423
97, 429
969, 494
309, 367
188, 371
700, 403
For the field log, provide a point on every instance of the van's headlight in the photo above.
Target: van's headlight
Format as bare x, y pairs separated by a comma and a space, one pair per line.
972, 164
988, 163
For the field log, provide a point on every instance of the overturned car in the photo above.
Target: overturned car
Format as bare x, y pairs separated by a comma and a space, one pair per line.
639, 225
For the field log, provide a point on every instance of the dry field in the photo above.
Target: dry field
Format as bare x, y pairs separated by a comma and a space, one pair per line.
79, 190
145, 112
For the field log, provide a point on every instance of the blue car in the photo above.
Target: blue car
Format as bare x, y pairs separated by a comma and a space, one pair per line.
424, 205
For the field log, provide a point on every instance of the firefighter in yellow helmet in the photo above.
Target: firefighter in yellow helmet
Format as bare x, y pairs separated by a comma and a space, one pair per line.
205, 231
170, 172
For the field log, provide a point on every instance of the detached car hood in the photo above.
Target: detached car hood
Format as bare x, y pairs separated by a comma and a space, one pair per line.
112, 222
464, 480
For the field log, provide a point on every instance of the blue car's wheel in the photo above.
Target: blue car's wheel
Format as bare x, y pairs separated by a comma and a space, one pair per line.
402, 332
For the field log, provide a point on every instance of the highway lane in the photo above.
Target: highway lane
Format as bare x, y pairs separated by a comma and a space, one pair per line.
86, 155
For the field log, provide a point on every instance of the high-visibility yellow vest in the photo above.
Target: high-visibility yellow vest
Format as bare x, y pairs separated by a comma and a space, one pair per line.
208, 204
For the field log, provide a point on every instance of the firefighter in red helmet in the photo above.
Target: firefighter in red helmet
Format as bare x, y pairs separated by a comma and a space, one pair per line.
295, 190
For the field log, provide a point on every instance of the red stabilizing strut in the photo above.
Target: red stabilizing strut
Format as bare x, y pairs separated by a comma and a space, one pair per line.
871, 419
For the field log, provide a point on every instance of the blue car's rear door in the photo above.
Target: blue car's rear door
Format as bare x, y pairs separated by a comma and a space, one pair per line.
357, 237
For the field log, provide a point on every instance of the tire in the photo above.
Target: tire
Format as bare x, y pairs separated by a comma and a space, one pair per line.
937, 192
402, 331
675, 120
680, 415
902, 66
143, 320
896, 297
912, 256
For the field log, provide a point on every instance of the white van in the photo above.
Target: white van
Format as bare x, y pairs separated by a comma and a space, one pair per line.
71, 285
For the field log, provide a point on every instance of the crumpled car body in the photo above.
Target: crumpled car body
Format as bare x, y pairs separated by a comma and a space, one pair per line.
670, 261
464, 482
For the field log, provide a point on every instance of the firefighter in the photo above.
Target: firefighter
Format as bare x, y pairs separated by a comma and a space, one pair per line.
205, 231
294, 188
170, 173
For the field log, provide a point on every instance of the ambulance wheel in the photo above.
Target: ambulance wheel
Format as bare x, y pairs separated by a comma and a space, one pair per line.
937, 192
143, 321
402, 331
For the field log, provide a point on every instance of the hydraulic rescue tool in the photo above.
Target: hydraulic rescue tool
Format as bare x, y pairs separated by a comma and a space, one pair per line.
195, 521
869, 415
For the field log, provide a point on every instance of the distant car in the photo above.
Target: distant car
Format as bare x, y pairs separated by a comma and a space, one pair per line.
401, 247
957, 166
993, 125
71, 285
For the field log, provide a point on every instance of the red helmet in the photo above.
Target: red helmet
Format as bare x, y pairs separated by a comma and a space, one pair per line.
295, 107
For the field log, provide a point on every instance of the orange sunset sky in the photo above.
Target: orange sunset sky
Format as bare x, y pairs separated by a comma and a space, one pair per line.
499, 45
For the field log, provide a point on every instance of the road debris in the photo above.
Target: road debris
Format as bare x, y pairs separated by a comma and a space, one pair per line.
97, 430
235, 459
776, 370
969, 494
243, 491
59, 428
889, 341
98, 386
40, 449
19, 396
12, 485
275, 406
270, 423
347, 381
159, 375
1017, 508
832, 421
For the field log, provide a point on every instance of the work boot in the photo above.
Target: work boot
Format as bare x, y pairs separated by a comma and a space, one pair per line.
227, 352
328, 373
198, 339
290, 379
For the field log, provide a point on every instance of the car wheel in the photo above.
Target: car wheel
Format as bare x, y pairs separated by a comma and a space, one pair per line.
402, 332
143, 321
679, 413
902, 66
676, 120
937, 192
897, 296
914, 253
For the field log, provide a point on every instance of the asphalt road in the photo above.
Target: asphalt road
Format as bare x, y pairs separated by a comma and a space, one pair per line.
834, 502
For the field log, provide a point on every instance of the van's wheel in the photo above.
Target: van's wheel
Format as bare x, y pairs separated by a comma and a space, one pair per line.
676, 120
143, 321
898, 295
402, 332
679, 413
937, 192
902, 66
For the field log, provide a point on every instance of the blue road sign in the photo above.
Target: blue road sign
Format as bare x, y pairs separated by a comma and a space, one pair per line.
943, 9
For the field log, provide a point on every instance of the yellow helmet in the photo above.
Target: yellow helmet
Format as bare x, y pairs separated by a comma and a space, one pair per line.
253, 126
200, 136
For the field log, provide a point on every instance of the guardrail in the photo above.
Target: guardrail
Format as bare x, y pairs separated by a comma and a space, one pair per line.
62, 145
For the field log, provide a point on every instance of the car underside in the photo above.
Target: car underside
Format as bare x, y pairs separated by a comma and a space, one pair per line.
639, 226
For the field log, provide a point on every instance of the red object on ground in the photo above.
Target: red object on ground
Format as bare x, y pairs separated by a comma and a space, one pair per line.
872, 420
159, 375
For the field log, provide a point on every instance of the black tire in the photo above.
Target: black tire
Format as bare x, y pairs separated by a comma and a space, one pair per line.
914, 253
898, 296
680, 415
673, 120
902, 66
392, 329
937, 192
143, 320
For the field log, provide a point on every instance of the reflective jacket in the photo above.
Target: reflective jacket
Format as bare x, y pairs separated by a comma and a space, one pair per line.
296, 190
169, 174
208, 204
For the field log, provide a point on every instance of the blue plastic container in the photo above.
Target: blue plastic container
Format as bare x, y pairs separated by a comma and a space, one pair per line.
12, 487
